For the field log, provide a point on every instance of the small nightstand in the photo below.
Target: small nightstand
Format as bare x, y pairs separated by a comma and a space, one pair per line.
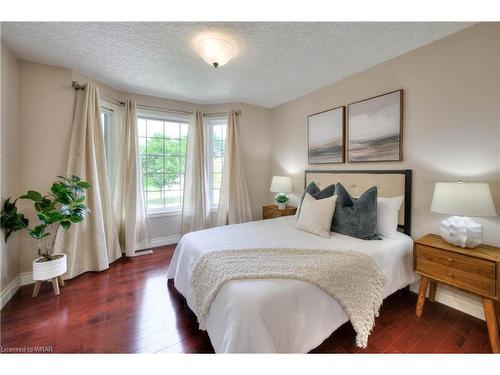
272, 211
474, 270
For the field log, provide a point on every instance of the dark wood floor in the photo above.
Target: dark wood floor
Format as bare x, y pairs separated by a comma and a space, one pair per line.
131, 308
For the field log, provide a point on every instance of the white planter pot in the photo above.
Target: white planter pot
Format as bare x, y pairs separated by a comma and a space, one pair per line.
281, 206
48, 270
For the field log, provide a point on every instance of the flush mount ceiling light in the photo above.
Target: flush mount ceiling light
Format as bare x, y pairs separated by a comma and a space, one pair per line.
215, 51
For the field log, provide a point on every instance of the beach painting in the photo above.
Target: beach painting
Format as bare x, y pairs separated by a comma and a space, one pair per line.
375, 127
326, 136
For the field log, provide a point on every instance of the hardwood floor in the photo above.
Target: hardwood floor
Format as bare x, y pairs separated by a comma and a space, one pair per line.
131, 308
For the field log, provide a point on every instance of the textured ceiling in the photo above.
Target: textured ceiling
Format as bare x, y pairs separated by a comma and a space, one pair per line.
276, 62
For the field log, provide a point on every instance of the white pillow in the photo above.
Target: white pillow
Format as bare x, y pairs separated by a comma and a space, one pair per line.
316, 215
387, 215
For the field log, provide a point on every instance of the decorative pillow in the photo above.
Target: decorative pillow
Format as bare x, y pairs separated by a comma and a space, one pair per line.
314, 191
316, 215
356, 217
387, 215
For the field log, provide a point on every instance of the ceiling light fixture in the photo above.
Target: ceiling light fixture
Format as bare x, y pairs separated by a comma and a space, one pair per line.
216, 51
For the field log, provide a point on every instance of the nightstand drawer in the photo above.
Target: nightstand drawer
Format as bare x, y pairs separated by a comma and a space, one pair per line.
457, 277
483, 268
269, 213
272, 211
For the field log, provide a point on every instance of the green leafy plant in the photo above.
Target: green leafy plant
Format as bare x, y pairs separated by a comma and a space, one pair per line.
62, 207
162, 159
162, 165
281, 198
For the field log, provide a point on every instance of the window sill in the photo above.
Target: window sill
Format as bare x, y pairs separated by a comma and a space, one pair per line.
155, 214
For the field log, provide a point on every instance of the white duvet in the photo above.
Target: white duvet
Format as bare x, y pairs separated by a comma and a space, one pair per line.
274, 315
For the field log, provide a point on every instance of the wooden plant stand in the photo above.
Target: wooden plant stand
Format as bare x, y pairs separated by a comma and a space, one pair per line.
56, 283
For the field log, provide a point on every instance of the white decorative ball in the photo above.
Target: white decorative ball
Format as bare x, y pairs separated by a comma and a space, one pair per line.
462, 231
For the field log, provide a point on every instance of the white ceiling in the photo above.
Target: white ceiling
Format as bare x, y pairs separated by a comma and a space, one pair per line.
276, 61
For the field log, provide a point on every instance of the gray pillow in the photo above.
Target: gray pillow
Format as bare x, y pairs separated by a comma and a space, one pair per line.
313, 190
356, 217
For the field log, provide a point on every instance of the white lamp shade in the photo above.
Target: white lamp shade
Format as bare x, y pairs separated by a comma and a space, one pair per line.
216, 51
281, 184
463, 199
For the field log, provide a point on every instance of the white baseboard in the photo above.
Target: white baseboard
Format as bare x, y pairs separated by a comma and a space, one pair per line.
26, 278
457, 299
162, 241
8, 292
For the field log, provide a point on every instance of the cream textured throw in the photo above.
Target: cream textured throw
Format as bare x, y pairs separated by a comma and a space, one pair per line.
352, 278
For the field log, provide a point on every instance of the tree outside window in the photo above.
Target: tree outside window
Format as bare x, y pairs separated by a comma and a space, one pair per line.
162, 146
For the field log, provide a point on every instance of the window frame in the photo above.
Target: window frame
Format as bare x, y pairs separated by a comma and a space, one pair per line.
106, 128
209, 154
148, 114
109, 138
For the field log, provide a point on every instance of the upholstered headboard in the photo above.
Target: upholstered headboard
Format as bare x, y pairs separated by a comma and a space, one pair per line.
390, 183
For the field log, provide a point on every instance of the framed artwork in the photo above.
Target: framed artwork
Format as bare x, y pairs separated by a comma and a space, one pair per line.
375, 130
326, 136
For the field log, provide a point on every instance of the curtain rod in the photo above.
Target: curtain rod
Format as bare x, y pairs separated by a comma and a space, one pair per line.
221, 113
77, 86
162, 109
111, 99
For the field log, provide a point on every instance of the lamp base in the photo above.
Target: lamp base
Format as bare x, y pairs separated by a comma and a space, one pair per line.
462, 231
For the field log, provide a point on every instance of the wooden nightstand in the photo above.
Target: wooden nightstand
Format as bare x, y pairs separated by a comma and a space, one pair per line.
474, 270
272, 211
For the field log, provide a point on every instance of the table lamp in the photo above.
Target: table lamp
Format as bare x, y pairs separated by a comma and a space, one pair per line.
463, 199
281, 185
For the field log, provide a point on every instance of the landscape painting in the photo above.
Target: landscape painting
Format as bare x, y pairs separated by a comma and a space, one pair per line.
326, 136
375, 127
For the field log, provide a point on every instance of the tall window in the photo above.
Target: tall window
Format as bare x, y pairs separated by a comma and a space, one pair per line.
162, 147
106, 118
216, 131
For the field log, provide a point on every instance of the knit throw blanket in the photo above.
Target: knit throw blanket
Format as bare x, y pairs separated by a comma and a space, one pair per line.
351, 278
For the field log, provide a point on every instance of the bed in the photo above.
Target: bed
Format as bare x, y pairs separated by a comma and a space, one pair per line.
286, 315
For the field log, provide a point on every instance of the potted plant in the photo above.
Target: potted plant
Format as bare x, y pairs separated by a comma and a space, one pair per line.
63, 206
281, 200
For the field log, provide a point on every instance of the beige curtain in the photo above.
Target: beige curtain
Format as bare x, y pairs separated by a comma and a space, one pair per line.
195, 203
234, 203
126, 183
93, 244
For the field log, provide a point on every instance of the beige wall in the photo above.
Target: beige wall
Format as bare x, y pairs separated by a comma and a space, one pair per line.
451, 119
46, 99
10, 165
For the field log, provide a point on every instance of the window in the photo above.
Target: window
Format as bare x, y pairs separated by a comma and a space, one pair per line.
216, 139
106, 118
162, 148
111, 115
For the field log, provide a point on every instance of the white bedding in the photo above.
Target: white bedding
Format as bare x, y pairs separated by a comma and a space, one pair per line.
274, 315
